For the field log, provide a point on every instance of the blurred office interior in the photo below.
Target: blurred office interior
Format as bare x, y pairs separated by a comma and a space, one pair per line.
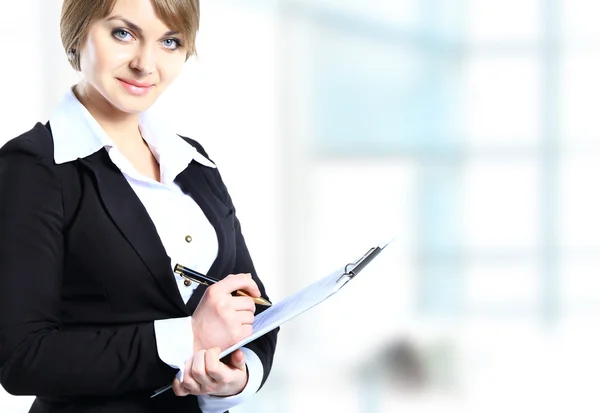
465, 129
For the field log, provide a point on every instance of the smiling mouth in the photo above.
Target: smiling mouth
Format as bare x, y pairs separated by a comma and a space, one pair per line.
135, 88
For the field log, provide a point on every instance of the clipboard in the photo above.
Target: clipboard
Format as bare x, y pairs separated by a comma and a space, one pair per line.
301, 301
306, 298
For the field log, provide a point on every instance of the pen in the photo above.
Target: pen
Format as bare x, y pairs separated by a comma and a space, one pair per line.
200, 278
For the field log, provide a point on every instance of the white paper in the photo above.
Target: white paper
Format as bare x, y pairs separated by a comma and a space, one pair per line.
292, 306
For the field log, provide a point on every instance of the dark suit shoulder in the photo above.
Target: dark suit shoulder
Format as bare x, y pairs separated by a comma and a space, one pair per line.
27, 166
196, 145
36, 142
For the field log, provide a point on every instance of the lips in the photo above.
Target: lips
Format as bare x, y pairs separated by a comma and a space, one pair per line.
134, 87
135, 83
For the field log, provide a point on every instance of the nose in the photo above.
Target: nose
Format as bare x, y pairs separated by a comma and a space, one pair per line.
144, 61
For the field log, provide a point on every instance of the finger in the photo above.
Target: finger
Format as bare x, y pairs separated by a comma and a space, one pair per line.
238, 360
253, 290
234, 282
245, 331
241, 332
178, 388
245, 317
189, 384
214, 368
198, 368
243, 303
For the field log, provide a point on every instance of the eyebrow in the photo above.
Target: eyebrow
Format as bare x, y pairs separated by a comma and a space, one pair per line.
137, 28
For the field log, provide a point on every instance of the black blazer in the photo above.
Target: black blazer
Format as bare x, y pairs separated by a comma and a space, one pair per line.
83, 275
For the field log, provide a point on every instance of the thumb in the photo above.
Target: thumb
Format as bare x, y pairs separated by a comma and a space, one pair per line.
178, 388
237, 359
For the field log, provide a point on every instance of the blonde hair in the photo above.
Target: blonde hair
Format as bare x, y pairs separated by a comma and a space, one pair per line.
78, 15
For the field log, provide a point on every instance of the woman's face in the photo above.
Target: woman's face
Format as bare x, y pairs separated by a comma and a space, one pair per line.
130, 57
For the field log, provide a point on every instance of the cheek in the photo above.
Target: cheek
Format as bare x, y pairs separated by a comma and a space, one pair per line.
171, 68
102, 57
118, 57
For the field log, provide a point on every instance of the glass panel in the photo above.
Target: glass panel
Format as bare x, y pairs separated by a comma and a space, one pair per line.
402, 13
579, 20
502, 100
445, 18
501, 204
439, 233
501, 21
376, 95
580, 284
369, 92
580, 88
502, 287
579, 207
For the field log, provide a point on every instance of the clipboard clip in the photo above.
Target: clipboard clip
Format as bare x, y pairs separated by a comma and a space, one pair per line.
353, 268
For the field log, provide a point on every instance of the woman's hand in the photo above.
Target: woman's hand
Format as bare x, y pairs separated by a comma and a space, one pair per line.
221, 320
206, 374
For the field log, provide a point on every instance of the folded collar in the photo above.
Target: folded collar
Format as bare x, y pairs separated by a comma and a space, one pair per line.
77, 134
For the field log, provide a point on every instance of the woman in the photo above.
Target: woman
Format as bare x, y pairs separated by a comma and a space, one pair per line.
97, 206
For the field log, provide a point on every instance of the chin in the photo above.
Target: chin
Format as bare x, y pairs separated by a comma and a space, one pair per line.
134, 104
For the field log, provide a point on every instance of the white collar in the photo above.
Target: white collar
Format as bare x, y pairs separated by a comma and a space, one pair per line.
77, 134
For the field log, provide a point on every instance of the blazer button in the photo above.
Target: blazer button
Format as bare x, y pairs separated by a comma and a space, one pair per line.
187, 283
188, 238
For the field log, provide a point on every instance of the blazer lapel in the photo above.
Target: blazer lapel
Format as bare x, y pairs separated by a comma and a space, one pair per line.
132, 219
193, 181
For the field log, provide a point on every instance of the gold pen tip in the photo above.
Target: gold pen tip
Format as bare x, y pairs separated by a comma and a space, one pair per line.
257, 300
262, 301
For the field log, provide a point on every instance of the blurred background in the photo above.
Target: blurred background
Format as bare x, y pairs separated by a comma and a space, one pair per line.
466, 129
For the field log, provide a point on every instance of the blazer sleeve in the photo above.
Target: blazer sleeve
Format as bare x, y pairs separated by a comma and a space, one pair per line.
264, 346
39, 355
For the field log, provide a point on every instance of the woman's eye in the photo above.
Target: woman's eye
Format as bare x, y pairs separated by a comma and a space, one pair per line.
121, 34
172, 44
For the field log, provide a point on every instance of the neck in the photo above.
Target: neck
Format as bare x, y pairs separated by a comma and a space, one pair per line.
122, 127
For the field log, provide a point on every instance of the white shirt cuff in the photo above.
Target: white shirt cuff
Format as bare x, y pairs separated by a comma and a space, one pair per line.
214, 404
175, 342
